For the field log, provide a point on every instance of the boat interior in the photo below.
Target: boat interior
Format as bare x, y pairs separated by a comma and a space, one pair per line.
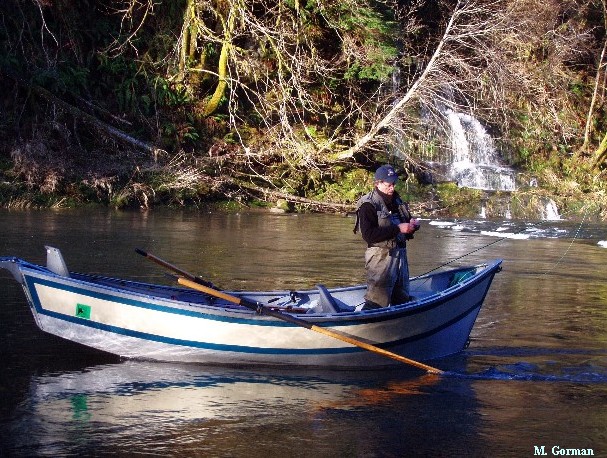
320, 300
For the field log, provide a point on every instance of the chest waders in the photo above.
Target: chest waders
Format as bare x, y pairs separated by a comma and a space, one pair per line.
386, 263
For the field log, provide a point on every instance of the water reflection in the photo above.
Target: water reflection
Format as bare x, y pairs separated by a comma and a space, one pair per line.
535, 371
177, 409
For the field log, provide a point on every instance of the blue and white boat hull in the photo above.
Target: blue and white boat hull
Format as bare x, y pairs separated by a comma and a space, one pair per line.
166, 323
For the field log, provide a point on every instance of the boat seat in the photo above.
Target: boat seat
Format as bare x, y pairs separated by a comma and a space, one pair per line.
461, 276
327, 303
55, 262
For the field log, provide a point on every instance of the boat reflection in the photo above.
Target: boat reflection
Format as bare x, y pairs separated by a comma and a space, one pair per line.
192, 410
187, 391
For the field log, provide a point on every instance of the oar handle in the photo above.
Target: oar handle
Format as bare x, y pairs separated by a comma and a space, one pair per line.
175, 269
260, 308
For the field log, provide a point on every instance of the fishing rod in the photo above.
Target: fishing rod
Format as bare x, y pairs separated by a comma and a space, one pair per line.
471, 252
462, 256
504, 238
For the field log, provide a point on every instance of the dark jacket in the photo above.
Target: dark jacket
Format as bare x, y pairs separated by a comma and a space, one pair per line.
378, 216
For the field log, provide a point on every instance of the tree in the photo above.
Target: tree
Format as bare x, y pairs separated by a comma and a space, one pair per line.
284, 85
599, 89
492, 58
601, 152
280, 63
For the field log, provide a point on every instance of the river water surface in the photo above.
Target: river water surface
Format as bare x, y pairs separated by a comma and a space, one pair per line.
533, 379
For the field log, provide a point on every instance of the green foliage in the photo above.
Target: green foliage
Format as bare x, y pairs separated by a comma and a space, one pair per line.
346, 186
532, 144
459, 202
170, 95
232, 137
577, 88
138, 90
312, 131
179, 133
64, 79
367, 31
378, 67
120, 75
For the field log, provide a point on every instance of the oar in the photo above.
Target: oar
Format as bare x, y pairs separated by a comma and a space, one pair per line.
198, 280
262, 309
175, 269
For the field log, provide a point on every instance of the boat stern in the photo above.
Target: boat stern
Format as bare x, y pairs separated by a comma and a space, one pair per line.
12, 264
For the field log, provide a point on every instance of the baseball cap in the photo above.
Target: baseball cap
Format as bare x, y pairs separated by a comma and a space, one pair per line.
386, 173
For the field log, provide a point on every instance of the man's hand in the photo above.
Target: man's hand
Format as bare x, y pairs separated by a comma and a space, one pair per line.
410, 227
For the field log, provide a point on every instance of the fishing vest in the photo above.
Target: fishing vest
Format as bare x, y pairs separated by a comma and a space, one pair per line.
386, 218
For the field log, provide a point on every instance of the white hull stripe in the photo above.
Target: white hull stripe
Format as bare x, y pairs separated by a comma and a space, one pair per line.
209, 345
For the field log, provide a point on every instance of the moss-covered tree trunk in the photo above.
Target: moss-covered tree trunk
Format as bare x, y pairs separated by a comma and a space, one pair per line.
222, 66
601, 153
220, 89
188, 37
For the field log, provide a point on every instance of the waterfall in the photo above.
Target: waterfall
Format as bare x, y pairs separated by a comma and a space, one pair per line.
471, 159
483, 212
475, 162
551, 212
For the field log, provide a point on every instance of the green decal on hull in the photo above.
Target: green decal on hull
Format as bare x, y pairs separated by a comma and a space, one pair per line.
83, 311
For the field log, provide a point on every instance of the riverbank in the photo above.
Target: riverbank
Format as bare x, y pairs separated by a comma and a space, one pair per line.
543, 196
136, 124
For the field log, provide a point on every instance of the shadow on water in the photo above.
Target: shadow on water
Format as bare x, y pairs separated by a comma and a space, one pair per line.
118, 408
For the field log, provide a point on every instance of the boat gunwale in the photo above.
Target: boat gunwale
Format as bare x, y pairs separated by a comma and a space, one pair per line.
227, 312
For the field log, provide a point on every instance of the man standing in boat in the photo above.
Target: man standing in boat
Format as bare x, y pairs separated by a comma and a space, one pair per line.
385, 224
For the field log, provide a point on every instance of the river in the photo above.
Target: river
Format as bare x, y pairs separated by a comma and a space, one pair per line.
532, 381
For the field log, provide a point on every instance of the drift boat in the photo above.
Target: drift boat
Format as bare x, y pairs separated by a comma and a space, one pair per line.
171, 323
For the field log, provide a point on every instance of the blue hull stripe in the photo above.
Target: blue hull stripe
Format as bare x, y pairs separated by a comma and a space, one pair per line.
31, 282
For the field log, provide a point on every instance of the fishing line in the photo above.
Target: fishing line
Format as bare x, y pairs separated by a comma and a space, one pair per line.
475, 250
575, 236
464, 255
